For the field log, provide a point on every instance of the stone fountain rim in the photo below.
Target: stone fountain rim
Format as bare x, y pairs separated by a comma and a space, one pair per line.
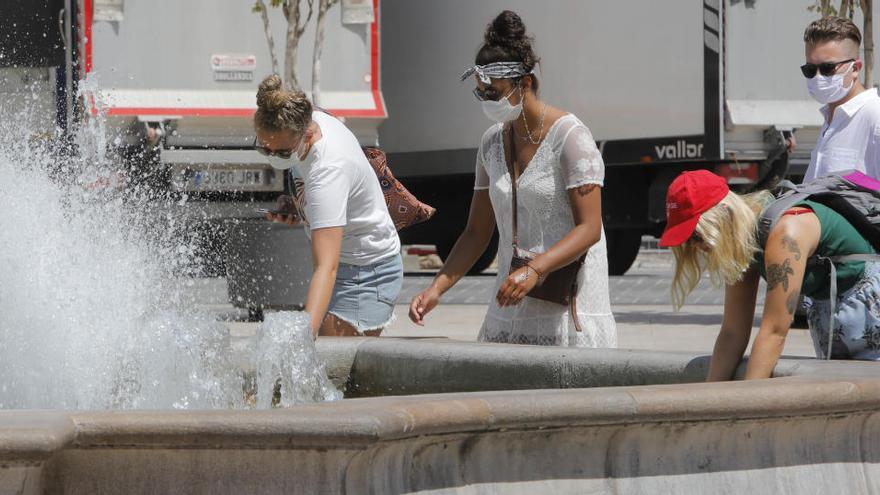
811, 387
360, 423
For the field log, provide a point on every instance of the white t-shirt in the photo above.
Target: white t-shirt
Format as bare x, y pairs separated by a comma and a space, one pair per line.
851, 141
338, 188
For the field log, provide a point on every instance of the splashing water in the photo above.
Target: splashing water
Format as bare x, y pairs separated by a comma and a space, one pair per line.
286, 355
93, 306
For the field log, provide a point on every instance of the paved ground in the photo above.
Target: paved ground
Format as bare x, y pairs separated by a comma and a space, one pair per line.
639, 327
640, 301
647, 282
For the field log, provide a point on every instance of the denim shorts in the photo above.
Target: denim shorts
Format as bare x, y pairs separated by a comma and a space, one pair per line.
364, 296
856, 320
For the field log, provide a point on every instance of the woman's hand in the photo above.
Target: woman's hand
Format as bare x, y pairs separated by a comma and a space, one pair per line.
288, 215
517, 286
422, 304
470, 245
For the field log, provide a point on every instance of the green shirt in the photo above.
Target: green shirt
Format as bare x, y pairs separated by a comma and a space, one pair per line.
837, 237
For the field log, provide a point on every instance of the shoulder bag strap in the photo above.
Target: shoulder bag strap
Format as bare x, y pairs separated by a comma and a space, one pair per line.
510, 155
573, 308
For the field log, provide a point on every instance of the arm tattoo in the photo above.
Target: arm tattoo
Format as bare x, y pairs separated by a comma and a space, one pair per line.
792, 302
791, 245
778, 274
586, 189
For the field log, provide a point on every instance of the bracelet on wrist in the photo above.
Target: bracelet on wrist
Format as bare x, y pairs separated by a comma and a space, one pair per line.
537, 272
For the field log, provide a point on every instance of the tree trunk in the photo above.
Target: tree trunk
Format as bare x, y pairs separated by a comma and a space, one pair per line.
296, 26
323, 7
868, 37
264, 15
290, 56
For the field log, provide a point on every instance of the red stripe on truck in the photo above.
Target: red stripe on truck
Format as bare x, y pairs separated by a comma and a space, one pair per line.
374, 61
223, 112
88, 11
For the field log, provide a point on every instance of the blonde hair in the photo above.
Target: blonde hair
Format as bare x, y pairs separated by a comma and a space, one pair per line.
832, 28
280, 109
729, 231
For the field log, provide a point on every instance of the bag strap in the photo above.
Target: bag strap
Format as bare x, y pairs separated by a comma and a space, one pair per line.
510, 158
573, 307
774, 212
832, 299
832, 284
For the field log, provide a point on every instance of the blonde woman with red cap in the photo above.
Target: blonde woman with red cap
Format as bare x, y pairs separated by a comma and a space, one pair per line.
712, 229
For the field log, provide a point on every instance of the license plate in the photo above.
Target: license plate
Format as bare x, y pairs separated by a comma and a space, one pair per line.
233, 75
225, 179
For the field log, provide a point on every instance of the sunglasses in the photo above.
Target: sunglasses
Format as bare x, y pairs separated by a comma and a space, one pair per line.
490, 93
283, 154
825, 68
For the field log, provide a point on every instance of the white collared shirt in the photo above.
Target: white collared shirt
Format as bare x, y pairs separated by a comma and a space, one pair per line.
851, 141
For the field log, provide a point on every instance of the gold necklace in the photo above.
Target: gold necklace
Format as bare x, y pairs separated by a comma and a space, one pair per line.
540, 131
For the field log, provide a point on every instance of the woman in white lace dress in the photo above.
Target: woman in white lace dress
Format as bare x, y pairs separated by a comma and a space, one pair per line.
560, 174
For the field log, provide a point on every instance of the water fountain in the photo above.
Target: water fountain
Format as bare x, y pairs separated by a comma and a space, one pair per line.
96, 312
110, 382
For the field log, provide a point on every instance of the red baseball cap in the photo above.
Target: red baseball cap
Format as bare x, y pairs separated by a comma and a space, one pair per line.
689, 195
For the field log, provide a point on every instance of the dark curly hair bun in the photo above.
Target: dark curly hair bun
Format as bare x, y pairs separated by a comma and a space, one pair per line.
506, 40
506, 30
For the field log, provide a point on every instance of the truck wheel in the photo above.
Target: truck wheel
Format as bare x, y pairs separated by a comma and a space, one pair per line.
444, 247
623, 247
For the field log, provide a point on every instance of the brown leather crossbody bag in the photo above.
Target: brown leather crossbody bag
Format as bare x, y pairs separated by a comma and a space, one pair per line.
558, 286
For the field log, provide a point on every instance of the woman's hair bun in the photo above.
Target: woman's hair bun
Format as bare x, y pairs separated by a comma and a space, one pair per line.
506, 30
506, 40
271, 94
280, 108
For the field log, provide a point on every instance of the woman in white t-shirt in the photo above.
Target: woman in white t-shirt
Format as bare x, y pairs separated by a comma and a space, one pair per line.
358, 270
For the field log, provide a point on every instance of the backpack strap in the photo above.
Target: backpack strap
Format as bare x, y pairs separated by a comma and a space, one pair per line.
855, 258
774, 212
832, 284
787, 195
786, 185
832, 297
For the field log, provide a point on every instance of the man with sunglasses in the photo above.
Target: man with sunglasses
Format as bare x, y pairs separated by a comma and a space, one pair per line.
850, 135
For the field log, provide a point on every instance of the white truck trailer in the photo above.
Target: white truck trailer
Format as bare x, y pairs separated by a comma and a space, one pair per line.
664, 87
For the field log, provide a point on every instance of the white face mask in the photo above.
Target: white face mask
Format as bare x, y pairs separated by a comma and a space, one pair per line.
502, 111
828, 89
279, 163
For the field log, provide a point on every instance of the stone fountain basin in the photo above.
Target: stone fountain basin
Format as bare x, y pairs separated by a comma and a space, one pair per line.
436, 416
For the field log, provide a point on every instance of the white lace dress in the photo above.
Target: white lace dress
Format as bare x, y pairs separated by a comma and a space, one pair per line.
567, 158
